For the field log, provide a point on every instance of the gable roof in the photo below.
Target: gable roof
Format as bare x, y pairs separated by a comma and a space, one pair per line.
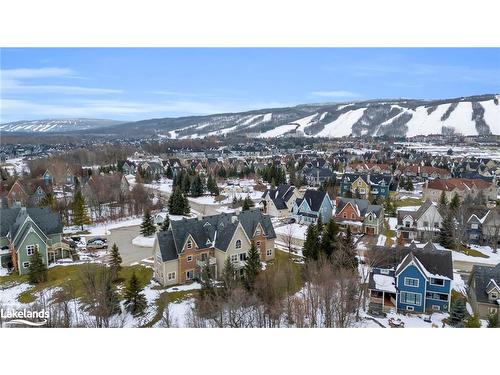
11, 220
483, 276
280, 195
215, 230
314, 199
362, 206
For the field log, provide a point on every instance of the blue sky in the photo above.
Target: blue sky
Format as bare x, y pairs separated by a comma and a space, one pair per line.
140, 83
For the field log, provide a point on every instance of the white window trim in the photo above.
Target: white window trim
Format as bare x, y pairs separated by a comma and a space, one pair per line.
234, 258
187, 277
410, 308
26, 264
189, 244
410, 285
171, 276
410, 303
435, 278
436, 307
269, 252
189, 258
384, 271
236, 244
32, 248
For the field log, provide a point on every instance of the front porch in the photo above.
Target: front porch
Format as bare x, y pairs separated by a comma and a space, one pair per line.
382, 301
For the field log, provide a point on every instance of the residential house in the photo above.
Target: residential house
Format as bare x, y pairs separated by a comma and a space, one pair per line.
279, 202
309, 208
27, 192
359, 215
181, 252
484, 290
24, 230
461, 186
411, 279
365, 186
422, 224
316, 176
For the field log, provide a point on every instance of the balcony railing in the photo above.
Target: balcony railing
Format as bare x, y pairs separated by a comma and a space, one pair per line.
211, 262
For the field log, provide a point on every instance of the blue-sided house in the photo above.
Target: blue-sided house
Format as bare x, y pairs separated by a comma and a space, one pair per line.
309, 208
411, 279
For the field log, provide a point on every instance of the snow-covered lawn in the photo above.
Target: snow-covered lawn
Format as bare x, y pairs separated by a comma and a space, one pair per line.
297, 231
393, 222
206, 199
415, 320
143, 241
104, 228
381, 240
184, 287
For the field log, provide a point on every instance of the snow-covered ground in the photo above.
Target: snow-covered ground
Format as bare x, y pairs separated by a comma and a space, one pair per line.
297, 231
143, 241
278, 131
103, 229
342, 126
15, 165
381, 240
393, 222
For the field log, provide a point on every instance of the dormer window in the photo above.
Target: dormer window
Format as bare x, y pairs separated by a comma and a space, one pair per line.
353, 216
257, 232
493, 296
238, 244
190, 244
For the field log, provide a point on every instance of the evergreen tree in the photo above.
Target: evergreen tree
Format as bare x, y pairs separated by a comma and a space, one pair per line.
80, 214
329, 239
165, 224
247, 203
169, 174
148, 226
115, 260
443, 201
178, 203
473, 322
252, 267
447, 232
319, 225
228, 279
212, 186
311, 244
493, 321
37, 271
347, 255
48, 201
135, 301
196, 187
409, 184
455, 203
207, 286
457, 314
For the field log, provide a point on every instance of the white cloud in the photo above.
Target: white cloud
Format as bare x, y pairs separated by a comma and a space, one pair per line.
335, 94
11, 109
12, 82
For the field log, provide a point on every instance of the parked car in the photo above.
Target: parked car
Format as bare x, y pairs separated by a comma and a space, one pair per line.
97, 244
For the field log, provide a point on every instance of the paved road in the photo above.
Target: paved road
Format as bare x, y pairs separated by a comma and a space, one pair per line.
123, 239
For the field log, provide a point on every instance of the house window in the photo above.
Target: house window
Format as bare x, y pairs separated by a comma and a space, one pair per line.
353, 216
474, 226
258, 245
243, 257
411, 298
234, 258
269, 252
493, 310
436, 225
26, 264
158, 257
344, 215
439, 282
204, 257
410, 281
426, 224
189, 244
238, 244
30, 249
189, 275
410, 308
189, 258
171, 276
362, 191
494, 296
437, 296
384, 271
407, 224
257, 232
436, 307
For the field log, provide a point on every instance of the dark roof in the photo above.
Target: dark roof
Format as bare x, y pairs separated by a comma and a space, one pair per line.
314, 199
280, 195
46, 219
362, 205
437, 262
211, 231
482, 276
